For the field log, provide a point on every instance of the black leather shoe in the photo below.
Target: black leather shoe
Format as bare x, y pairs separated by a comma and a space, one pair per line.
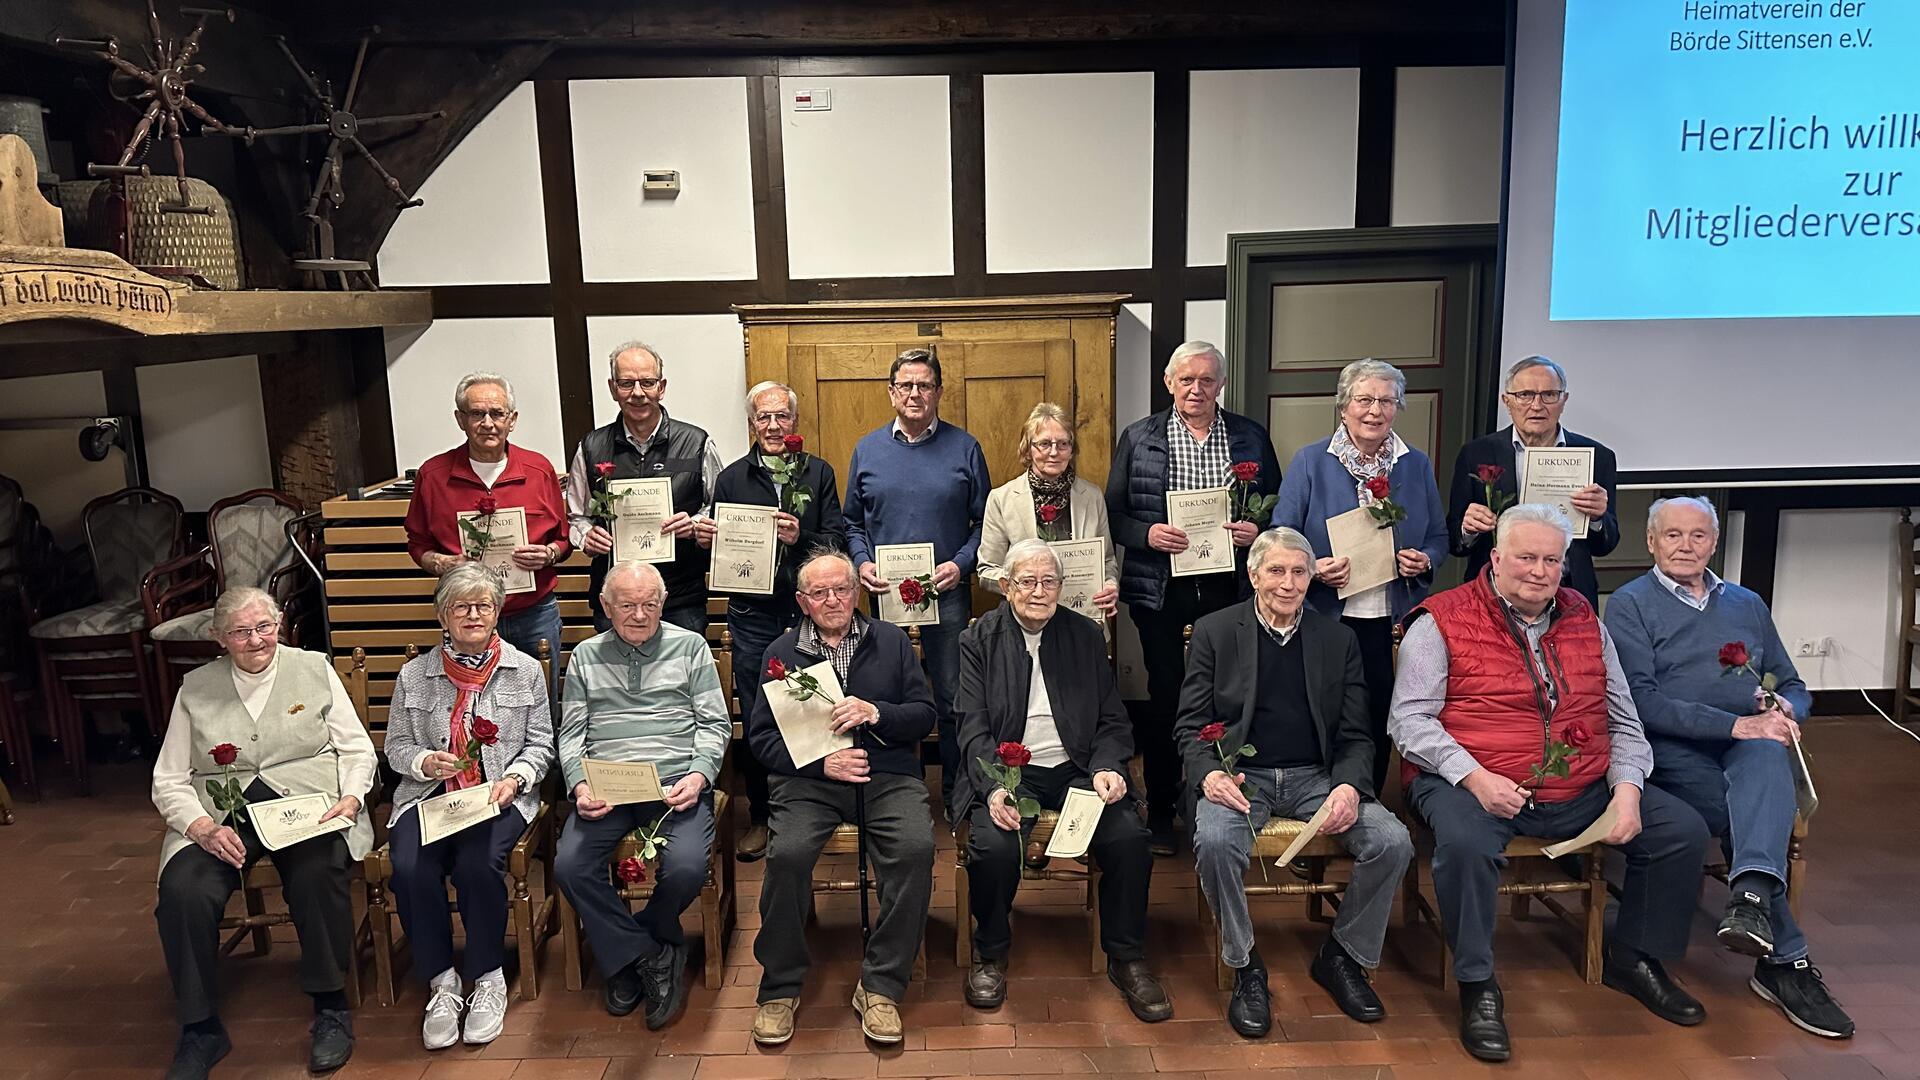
1645, 980
661, 976
1144, 994
1483, 1023
1346, 980
198, 1053
987, 984
1250, 1010
332, 1033
623, 992
1745, 927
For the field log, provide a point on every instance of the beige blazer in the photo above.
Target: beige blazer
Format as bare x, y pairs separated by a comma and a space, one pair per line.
1010, 520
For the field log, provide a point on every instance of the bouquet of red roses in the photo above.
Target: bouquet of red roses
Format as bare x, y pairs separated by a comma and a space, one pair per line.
787, 470
1247, 505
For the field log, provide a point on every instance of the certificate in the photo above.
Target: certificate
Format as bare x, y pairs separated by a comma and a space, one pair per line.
1306, 835
494, 536
622, 782
1368, 549
1805, 798
282, 823
1079, 816
1588, 837
1083, 570
444, 815
746, 550
897, 563
807, 726
1203, 516
644, 505
1553, 474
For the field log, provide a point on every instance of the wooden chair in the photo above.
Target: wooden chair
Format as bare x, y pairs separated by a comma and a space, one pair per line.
533, 914
718, 909
1034, 866
1796, 863
1904, 696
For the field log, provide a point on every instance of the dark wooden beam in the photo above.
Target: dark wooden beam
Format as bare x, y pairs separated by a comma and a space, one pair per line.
1172, 97
123, 399
240, 60
766, 160
1373, 155
967, 121
553, 123
329, 419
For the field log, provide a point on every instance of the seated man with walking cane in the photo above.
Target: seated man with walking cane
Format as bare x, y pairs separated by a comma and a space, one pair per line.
885, 708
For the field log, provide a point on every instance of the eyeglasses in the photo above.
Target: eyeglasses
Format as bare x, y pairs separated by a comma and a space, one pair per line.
834, 592
1367, 403
768, 419
1027, 583
1050, 446
650, 607
478, 416
627, 386
263, 631
1544, 397
463, 608
908, 389
1204, 382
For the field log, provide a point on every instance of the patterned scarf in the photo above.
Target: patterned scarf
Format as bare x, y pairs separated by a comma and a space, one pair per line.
469, 672
1052, 493
1361, 466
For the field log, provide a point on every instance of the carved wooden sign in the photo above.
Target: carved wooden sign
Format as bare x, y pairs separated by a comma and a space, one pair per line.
75, 283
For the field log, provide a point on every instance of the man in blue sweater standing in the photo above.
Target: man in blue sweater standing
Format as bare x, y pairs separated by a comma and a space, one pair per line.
1695, 650
918, 481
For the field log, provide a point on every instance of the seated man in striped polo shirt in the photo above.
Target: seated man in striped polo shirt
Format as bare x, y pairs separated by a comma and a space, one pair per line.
644, 690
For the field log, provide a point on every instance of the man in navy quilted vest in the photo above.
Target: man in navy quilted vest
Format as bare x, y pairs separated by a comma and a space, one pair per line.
1515, 719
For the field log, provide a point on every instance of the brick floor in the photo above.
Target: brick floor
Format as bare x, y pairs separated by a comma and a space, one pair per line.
83, 992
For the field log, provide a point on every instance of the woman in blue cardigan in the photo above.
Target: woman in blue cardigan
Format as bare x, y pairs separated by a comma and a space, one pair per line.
1331, 477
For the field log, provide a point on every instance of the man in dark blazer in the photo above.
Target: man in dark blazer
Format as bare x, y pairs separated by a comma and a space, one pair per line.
1036, 676
1273, 723
1535, 396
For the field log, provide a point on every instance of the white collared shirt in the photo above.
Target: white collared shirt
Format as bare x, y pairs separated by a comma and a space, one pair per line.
901, 432
1283, 633
1697, 603
1520, 455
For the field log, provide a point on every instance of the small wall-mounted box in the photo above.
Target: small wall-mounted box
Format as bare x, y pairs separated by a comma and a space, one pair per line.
813, 99
659, 183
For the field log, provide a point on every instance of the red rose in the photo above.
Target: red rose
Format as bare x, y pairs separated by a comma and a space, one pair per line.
1013, 755
631, 870
604, 468
775, 669
793, 444
1733, 654
485, 730
1378, 487
1577, 735
487, 504
911, 593
1048, 513
224, 754
1213, 733
1246, 471
1489, 474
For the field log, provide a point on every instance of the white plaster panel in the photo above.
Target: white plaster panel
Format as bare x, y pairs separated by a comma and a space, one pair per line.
204, 428
1835, 576
1447, 137
425, 363
1133, 366
1069, 164
706, 371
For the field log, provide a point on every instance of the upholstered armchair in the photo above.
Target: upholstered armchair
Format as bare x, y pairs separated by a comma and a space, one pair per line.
95, 657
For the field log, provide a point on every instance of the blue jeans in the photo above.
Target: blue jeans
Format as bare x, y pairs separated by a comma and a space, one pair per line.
753, 629
525, 629
940, 656
1223, 843
1743, 789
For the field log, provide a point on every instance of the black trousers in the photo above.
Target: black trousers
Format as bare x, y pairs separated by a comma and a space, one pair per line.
753, 629
1119, 847
475, 860
1376, 666
194, 890
1163, 647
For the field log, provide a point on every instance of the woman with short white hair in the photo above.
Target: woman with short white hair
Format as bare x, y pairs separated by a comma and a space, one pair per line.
1048, 502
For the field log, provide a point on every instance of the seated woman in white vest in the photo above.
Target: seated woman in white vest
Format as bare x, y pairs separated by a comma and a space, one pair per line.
470, 713
266, 723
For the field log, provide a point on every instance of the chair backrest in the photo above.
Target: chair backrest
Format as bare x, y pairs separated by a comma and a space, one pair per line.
13, 521
128, 532
249, 537
1909, 561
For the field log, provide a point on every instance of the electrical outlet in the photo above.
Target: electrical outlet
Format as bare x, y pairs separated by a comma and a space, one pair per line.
1808, 648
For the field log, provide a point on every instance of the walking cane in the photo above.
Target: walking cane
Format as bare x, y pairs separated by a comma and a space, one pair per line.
860, 827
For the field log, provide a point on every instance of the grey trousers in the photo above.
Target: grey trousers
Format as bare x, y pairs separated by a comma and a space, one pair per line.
1223, 843
620, 936
899, 859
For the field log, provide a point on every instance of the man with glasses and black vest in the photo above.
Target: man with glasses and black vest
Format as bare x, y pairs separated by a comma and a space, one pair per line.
645, 442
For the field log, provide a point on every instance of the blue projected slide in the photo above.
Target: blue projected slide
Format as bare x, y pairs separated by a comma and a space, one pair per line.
1738, 160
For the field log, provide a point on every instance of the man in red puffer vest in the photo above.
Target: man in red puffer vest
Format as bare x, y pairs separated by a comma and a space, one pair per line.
1514, 718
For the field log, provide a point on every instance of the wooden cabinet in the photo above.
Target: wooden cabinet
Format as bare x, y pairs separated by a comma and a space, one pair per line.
998, 358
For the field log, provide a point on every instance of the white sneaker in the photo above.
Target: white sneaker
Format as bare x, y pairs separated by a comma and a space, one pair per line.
442, 1027
486, 1011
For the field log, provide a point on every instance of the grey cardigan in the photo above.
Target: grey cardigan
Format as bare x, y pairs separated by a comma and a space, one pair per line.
515, 699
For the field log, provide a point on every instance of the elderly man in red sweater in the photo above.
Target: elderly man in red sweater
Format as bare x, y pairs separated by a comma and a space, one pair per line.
1514, 717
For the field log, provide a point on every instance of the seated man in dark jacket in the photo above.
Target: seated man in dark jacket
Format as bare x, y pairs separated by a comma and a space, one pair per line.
1278, 688
887, 708
1036, 676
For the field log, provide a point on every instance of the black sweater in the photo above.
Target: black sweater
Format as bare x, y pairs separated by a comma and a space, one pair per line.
748, 481
885, 673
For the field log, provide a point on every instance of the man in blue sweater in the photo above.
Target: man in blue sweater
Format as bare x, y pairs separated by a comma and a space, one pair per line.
1695, 650
918, 481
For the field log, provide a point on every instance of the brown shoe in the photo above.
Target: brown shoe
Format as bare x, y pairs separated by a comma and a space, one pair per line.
1144, 994
987, 984
879, 1016
773, 1023
753, 845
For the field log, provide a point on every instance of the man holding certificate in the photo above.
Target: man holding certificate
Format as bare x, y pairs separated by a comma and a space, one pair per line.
1722, 704
1514, 718
1279, 690
643, 708
624, 463
806, 501
1034, 677
835, 756
1496, 469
